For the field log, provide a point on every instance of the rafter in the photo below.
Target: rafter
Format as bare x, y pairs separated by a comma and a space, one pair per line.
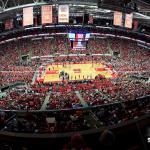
2, 3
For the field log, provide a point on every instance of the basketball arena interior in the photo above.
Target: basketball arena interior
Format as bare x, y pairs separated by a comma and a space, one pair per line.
74, 74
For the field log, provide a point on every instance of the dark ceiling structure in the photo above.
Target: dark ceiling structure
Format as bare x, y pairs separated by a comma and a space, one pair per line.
4, 4
9, 8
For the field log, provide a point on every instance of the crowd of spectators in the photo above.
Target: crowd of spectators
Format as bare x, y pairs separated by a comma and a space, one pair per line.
95, 92
132, 58
117, 101
109, 115
41, 122
98, 46
23, 98
10, 77
98, 92
115, 114
63, 100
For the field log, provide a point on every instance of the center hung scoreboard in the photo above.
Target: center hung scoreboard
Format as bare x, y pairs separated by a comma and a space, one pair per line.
78, 41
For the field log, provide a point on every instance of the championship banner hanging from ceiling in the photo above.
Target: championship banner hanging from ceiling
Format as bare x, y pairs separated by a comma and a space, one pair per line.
117, 18
63, 14
47, 14
27, 16
91, 19
129, 21
135, 24
9, 24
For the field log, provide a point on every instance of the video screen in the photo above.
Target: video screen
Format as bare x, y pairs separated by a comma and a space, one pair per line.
79, 45
71, 36
79, 36
87, 36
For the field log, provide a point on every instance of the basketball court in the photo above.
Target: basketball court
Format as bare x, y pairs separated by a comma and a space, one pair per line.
75, 71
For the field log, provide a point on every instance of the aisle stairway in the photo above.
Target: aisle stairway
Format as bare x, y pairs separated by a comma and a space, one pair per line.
35, 75
46, 101
84, 104
109, 48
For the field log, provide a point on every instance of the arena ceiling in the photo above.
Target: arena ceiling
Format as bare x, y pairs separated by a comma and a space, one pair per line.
9, 8
13, 3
